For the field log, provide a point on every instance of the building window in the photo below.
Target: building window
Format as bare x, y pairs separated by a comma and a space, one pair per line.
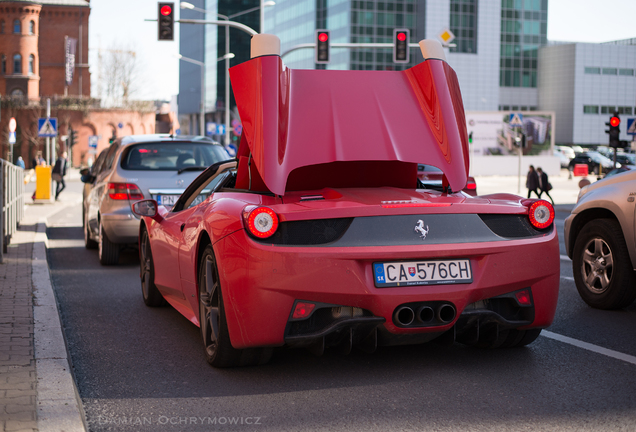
17, 64
2, 27
608, 109
590, 109
31, 64
32, 27
463, 24
16, 26
609, 71
625, 110
626, 72
3, 64
17, 92
593, 70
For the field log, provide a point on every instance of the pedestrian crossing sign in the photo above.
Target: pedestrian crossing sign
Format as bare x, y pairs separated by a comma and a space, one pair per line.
631, 126
47, 127
516, 119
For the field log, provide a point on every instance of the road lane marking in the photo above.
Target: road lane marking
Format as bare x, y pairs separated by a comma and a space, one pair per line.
590, 347
570, 278
564, 258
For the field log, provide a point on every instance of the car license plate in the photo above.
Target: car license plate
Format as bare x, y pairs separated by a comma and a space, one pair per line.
167, 200
393, 274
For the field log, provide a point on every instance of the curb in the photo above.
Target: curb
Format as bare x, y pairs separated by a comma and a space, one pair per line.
59, 406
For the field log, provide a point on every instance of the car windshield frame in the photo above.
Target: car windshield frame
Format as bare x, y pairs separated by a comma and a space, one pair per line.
169, 156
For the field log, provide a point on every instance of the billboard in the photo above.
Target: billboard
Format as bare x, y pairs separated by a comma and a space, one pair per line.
494, 136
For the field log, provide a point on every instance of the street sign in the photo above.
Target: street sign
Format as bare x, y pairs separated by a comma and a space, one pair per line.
92, 144
631, 126
210, 128
11, 137
516, 119
238, 129
220, 129
12, 124
446, 36
47, 127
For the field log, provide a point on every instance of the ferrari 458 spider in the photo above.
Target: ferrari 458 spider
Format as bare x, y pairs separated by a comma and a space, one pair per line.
320, 234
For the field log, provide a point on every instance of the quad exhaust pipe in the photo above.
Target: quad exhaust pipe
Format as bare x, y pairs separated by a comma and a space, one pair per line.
439, 314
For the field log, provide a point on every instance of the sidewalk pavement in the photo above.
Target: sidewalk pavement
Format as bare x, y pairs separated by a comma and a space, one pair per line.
37, 389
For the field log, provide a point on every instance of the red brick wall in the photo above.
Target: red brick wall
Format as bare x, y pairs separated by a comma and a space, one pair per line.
56, 22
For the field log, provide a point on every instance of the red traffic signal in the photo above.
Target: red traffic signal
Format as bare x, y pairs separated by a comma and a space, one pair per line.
322, 47
615, 121
166, 21
401, 45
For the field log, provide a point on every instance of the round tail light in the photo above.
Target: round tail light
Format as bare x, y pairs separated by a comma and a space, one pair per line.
262, 222
541, 214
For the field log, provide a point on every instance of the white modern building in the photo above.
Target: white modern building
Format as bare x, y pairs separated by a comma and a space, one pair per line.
585, 84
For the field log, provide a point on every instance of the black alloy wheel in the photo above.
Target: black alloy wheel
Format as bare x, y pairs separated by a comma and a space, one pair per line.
108, 251
213, 324
602, 269
151, 295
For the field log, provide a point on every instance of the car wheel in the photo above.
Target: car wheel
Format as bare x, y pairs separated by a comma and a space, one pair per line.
213, 324
603, 273
108, 251
89, 243
152, 296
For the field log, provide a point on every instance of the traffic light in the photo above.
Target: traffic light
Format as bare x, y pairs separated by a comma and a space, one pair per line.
322, 47
72, 137
401, 45
614, 131
166, 21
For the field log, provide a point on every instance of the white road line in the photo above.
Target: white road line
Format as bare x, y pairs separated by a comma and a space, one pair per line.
590, 347
565, 258
570, 278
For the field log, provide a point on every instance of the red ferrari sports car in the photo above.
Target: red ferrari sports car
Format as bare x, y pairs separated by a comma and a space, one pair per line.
319, 234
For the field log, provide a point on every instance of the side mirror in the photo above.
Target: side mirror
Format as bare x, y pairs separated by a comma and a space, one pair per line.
146, 207
86, 176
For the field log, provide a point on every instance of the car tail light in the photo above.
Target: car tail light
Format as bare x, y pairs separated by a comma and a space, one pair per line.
124, 191
303, 310
541, 214
471, 185
261, 222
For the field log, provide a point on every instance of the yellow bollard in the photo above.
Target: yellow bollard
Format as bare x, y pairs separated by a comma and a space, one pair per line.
43, 183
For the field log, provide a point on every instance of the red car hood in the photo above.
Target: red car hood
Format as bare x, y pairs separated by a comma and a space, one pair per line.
341, 124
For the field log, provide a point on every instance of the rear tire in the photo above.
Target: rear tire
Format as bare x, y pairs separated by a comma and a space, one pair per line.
151, 295
108, 251
602, 269
218, 349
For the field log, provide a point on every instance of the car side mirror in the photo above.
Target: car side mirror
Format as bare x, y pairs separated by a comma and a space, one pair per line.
146, 207
86, 176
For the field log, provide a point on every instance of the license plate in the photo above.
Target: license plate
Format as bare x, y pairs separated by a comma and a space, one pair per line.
394, 274
167, 200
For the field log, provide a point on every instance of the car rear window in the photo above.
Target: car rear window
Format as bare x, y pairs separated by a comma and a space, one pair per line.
171, 156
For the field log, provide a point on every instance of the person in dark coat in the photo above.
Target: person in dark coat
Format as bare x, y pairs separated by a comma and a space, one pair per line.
58, 173
532, 182
544, 184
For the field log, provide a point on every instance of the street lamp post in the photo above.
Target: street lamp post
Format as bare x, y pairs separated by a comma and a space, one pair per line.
227, 58
186, 5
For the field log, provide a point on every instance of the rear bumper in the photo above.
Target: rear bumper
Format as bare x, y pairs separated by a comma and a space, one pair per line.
261, 284
121, 226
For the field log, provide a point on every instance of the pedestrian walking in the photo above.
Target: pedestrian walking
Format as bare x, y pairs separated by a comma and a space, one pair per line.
20, 162
532, 182
544, 184
58, 173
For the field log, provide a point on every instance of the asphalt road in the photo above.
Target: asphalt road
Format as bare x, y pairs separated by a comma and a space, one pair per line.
142, 369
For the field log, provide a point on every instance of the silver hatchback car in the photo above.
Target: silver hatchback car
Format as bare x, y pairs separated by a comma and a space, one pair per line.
600, 237
134, 168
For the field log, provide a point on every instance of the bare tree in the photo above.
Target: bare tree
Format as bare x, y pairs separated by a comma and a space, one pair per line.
118, 74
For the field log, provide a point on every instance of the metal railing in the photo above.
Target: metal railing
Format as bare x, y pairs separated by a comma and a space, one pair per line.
11, 202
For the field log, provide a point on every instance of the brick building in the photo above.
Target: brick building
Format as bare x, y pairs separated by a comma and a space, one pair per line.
33, 44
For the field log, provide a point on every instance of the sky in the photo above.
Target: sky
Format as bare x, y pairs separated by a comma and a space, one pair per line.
119, 24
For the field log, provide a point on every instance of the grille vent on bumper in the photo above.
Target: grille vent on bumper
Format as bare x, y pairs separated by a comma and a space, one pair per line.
512, 226
308, 232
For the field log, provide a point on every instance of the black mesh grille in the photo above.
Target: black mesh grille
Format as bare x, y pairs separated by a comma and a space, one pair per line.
308, 232
512, 226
